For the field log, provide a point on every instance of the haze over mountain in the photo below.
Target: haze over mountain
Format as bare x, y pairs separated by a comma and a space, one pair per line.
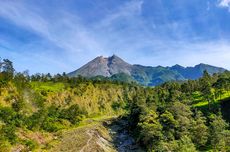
116, 67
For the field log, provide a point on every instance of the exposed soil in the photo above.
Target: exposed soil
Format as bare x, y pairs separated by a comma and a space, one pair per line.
103, 136
122, 140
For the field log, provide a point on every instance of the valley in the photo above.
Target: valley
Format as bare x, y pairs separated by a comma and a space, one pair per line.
60, 113
101, 134
114, 76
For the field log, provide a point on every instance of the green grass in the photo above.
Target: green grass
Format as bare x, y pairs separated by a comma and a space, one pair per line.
203, 103
93, 120
74, 139
47, 86
197, 97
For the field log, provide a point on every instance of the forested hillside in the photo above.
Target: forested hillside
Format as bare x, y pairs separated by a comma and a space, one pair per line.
115, 67
183, 116
172, 117
33, 108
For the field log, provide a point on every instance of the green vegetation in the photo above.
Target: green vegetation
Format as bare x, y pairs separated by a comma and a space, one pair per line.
34, 108
185, 116
47, 86
114, 68
91, 133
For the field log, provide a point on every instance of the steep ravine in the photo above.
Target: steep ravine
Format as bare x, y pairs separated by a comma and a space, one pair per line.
122, 140
108, 135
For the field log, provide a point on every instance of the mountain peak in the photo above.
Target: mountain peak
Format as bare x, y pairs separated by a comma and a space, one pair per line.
104, 66
114, 56
107, 58
116, 59
147, 75
201, 64
177, 66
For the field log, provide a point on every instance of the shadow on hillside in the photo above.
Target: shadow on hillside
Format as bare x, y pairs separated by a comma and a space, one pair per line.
225, 109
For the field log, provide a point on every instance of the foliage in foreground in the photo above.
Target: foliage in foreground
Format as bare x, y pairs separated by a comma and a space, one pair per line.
164, 118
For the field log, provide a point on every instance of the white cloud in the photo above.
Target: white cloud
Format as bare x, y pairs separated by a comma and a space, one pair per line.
65, 30
122, 31
224, 3
128, 11
189, 54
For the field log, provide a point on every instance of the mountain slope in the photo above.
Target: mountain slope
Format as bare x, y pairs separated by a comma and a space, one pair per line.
196, 71
152, 76
104, 67
117, 69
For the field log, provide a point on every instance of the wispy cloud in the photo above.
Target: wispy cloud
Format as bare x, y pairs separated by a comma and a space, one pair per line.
64, 30
140, 31
224, 3
126, 12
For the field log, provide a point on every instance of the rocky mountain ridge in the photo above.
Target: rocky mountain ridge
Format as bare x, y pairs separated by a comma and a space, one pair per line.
145, 75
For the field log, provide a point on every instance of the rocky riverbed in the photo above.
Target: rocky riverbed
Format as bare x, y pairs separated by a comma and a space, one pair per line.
122, 140
110, 135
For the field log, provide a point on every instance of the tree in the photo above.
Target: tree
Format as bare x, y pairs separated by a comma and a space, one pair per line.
206, 88
48, 76
7, 66
136, 106
183, 115
220, 137
185, 144
36, 77
36, 120
221, 85
150, 128
73, 114
169, 125
6, 70
205, 80
1, 63
21, 81
199, 130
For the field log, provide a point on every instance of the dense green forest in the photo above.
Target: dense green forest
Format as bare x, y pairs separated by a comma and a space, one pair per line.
185, 116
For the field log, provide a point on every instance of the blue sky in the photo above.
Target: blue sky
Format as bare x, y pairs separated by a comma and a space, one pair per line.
56, 36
